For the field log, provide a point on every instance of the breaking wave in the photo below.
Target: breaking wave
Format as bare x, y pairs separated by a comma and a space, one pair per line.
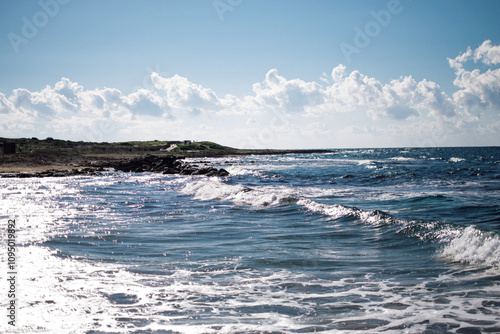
466, 245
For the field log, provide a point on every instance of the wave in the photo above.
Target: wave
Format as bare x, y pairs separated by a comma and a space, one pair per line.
475, 247
402, 159
214, 188
336, 211
467, 245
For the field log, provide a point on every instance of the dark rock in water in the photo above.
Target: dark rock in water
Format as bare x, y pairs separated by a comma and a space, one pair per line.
54, 173
167, 165
223, 172
210, 171
148, 163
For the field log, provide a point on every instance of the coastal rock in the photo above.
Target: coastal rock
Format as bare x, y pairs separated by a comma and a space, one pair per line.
54, 173
148, 163
166, 165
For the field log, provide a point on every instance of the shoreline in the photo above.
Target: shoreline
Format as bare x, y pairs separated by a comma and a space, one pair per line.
38, 164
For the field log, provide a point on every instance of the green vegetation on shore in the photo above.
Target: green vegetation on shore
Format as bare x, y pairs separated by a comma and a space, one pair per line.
50, 146
38, 158
58, 147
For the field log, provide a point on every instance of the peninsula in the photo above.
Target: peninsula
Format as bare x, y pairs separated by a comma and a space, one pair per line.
33, 157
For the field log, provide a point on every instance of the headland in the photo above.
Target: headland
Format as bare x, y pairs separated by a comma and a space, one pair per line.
54, 157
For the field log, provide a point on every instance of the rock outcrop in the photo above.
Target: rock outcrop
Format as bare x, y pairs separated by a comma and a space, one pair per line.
166, 165
148, 163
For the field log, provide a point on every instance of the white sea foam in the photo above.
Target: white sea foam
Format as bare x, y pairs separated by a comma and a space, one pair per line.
67, 295
364, 162
402, 159
475, 247
337, 211
214, 188
239, 170
61, 294
469, 245
324, 192
453, 159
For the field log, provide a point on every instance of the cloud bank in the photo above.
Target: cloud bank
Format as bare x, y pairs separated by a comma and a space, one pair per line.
344, 110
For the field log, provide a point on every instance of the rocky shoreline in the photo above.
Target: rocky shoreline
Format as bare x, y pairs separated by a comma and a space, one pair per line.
57, 158
167, 165
149, 163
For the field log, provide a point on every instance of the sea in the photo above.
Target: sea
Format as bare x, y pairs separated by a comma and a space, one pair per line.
392, 240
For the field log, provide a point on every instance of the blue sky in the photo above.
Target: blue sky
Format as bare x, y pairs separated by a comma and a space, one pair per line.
252, 73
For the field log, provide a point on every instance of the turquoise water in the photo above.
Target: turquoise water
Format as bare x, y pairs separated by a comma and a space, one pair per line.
353, 241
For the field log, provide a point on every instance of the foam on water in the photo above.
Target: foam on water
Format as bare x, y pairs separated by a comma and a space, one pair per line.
238, 170
364, 162
402, 159
68, 295
340, 282
475, 247
467, 245
215, 188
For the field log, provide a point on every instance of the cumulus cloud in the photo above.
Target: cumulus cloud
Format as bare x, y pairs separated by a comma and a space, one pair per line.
278, 111
145, 102
181, 94
296, 95
478, 90
399, 99
488, 54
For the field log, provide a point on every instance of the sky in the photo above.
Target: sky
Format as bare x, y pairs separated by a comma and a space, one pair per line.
253, 73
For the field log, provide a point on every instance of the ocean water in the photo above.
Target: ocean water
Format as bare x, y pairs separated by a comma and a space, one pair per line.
352, 241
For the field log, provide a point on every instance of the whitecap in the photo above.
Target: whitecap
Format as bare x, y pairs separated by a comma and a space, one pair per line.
474, 246
402, 159
214, 188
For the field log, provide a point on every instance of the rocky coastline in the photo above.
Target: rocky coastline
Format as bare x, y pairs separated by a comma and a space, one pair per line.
32, 157
149, 163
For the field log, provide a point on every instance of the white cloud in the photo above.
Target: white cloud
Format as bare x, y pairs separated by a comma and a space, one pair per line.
489, 55
145, 102
400, 99
279, 112
479, 91
296, 95
182, 95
